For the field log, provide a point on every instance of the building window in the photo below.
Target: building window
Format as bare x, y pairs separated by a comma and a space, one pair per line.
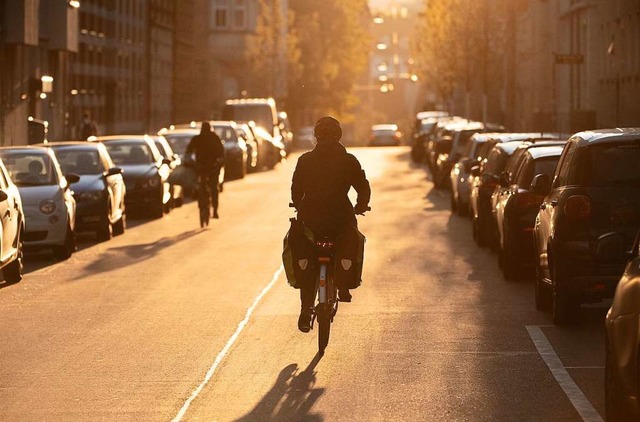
221, 12
239, 14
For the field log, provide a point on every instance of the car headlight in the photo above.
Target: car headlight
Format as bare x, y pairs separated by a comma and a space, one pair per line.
48, 206
90, 196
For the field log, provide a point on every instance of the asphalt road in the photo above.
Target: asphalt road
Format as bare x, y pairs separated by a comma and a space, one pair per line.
172, 322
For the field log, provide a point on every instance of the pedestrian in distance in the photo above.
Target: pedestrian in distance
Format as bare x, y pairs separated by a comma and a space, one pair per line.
88, 126
209, 159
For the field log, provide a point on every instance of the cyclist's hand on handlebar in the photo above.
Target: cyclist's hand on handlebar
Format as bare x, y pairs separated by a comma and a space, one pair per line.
361, 209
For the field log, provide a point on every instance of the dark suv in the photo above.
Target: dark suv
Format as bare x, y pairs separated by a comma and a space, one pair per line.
595, 192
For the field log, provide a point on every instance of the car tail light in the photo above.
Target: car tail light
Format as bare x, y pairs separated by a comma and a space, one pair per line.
528, 200
577, 207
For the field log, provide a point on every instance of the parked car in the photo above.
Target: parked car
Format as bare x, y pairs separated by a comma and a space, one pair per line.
235, 148
275, 150
516, 207
179, 137
385, 135
12, 222
177, 193
505, 179
145, 172
421, 134
595, 191
253, 147
47, 200
434, 145
621, 382
305, 138
100, 190
492, 160
461, 171
285, 131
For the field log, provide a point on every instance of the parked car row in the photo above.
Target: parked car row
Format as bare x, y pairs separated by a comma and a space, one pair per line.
51, 192
565, 211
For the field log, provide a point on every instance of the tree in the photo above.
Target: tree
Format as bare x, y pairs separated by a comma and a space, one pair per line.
333, 45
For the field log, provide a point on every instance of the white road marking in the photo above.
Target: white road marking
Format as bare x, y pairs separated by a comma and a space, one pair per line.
570, 388
227, 346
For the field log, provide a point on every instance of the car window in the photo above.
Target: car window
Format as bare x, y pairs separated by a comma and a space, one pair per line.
463, 138
179, 142
532, 168
79, 161
130, 153
29, 169
612, 164
261, 114
495, 161
514, 162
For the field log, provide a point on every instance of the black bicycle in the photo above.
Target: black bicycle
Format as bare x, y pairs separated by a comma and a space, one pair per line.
204, 200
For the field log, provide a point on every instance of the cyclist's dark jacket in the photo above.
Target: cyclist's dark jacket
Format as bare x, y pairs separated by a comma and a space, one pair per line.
208, 148
321, 184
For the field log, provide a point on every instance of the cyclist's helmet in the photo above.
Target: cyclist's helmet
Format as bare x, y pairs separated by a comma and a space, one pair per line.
327, 129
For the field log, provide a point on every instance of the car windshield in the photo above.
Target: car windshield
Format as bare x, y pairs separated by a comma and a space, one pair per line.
179, 142
29, 169
463, 140
258, 113
131, 153
613, 164
384, 133
79, 160
545, 165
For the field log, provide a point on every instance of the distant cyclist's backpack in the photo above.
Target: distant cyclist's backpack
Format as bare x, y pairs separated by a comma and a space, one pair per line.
349, 258
298, 255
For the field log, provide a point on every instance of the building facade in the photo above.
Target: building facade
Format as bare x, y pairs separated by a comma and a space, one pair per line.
35, 55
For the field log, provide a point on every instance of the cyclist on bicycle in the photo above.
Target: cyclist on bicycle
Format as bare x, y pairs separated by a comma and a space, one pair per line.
210, 153
319, 190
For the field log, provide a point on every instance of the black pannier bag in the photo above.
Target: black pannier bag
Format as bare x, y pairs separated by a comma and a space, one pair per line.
349, 258
298, 255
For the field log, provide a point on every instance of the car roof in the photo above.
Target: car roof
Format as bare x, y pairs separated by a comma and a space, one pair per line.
243, 101
31, 148
119, 138
508, 147
179, 131
230, 123
522, 136
482, 137
431, 114
386, 126
608, 135
545, 151
80, 144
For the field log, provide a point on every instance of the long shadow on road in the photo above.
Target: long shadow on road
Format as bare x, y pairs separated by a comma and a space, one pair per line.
133, 254
291, 397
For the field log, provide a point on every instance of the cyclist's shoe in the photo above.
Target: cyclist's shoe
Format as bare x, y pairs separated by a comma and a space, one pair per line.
215, 214
304, 320
344, 295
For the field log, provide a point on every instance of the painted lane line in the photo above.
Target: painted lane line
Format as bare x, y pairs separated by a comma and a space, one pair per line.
559, 372
227, 346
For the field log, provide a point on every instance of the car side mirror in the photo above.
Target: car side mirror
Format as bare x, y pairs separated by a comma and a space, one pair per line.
72, 178
475, 171
541, 184
113, 171
504, 179
3, 196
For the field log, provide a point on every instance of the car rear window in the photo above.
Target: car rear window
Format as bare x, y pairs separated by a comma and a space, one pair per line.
496, 162
545, 165
612, 164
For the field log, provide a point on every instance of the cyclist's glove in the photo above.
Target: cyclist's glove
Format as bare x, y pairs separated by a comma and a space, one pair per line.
361, 208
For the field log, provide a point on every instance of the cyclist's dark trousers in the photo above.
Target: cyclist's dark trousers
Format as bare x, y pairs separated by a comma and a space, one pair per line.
212, 180
308, 296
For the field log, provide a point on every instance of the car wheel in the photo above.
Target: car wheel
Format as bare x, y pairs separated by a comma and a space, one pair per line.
454, 204
542, 291
613, 405
510, 268
120, 226
565, 308
68, 247
14, 272
158, 210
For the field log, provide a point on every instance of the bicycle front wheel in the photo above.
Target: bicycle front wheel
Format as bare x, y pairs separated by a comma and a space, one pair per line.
324, 326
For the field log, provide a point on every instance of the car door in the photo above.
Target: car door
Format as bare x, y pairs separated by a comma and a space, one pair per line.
9, 216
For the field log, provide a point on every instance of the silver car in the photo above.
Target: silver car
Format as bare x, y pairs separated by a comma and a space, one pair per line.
47, 199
